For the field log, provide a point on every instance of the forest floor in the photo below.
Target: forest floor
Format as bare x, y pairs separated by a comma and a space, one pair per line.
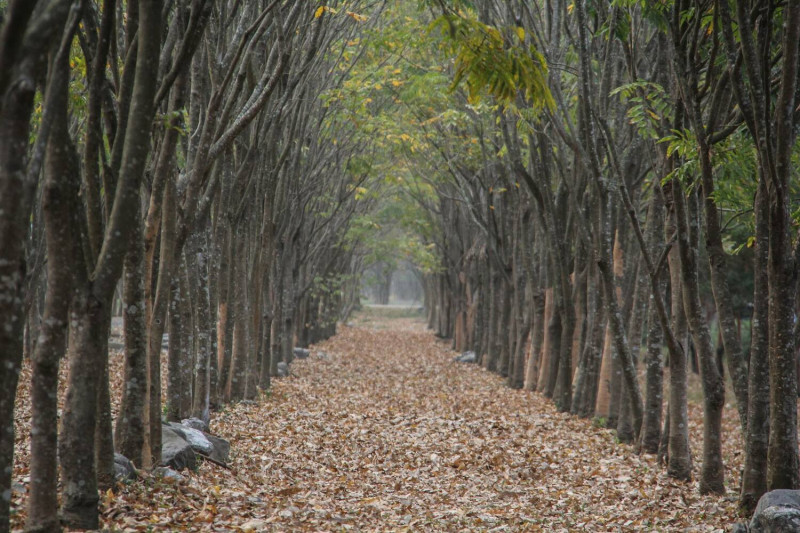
379, 430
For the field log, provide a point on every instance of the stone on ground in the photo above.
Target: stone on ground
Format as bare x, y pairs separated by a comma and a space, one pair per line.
466, 357
168, 474
123, 468
302, 353
176, 452
777, 512
283, 370
195, 423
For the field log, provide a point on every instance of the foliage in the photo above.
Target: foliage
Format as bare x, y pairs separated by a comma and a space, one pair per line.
648, 106
497, 60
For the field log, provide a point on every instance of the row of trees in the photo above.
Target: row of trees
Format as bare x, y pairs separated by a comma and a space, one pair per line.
178, 158
595, 180
601, 181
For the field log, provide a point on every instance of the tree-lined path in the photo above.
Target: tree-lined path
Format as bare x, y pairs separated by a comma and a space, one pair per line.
599, 200
381, 430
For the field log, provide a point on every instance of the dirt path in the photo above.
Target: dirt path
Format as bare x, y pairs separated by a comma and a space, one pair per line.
380, 430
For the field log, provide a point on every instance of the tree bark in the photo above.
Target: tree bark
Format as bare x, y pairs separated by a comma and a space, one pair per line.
712, 476
679, 459
23, 43
129, 437
60, 189
754, 474
654, 381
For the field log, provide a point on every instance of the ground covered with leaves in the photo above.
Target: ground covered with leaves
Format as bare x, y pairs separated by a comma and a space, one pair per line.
380, 430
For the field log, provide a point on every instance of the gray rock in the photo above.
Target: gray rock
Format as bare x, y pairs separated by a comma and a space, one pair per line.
302, 353
283, 370
201, 442
168, 474
196, 439
323, 355
466, 357
777, 512
176, 452
222, 448
123, 468
195, 423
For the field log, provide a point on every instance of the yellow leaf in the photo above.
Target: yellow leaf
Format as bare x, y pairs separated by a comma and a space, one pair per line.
318, 13
356, 16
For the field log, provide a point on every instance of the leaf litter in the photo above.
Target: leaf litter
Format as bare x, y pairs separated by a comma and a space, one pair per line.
379, 430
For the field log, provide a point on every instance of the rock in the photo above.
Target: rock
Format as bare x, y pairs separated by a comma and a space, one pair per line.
168, 474
176, 452
123, 468
254, 526
283, 370
302, 353
195, 423
222, 448
777, 512
466, 357
201, 442
196, 439
323, 355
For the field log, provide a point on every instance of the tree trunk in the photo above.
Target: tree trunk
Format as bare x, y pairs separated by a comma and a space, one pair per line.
654, 381
712, 476
754, 474
175, 352
104, 430
544, 366
60, 189
157, 324
679, 458
224, 314
130, 430
587, 379
198, 266
537, 338
238, 374
17, 91
639, 311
